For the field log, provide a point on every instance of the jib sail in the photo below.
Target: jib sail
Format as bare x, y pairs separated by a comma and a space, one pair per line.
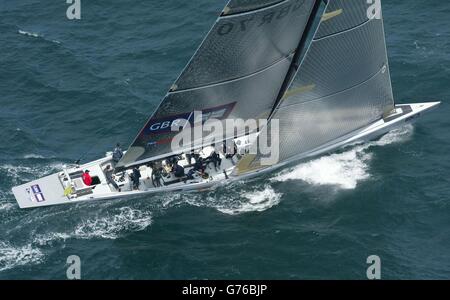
342, 84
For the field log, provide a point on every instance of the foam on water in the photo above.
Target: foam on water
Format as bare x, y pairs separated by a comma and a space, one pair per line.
255, 201
4, 206
234, 201
12, 256
343, 170
33, 156
21, 173
27, 33
6, 202
110, 227
36, 35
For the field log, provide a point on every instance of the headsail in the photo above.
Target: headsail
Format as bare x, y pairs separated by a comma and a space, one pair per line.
236, 73
342, 85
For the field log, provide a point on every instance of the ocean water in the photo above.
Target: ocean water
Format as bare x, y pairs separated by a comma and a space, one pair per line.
75, 88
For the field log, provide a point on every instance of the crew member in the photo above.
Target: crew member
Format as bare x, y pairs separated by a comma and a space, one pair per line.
109, 178
117, 154
87, 179
135, 178
178, 171
157, 176
198, 166
215, 159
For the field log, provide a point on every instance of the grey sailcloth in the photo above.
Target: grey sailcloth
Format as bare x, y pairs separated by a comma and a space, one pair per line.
343, 83
236, 73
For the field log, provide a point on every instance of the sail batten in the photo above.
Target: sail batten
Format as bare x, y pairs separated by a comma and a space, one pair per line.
341, 32
177, 90
338, 92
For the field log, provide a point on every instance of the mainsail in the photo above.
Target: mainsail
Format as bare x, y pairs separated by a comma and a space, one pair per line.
236, 73
343, 83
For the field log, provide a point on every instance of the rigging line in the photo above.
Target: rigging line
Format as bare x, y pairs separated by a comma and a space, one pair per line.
88, 151
84, 154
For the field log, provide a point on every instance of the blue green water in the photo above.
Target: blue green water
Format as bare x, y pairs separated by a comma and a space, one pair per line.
73, 88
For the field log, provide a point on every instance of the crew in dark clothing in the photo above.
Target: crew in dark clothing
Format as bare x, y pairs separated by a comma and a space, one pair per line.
230, 153
117, 154
215, 159
178, 171
198, 166
190, 174
189, 157
157, 176
109, 178
135, 178
172, 160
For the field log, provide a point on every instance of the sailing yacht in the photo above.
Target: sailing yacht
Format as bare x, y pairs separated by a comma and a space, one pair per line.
317, 69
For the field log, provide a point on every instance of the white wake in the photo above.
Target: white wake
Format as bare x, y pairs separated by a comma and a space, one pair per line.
12, 256
343, 170
28, 33
36, 35
255, 201
111, 226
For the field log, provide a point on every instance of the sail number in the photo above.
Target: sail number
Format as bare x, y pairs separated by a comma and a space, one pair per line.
268, 18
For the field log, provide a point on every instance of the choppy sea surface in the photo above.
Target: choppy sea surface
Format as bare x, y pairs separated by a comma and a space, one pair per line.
75, 88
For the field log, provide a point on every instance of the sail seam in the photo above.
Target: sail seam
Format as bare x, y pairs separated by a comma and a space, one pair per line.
343, 31
233, 79
224, 16
339, 92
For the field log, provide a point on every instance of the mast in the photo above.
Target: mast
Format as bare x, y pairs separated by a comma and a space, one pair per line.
306, 38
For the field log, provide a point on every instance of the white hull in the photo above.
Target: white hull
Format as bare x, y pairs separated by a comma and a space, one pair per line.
50, 190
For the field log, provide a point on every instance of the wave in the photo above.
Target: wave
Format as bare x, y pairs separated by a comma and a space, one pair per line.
36, 35
234, 201
21, 173
109, 227
342, 170
255, 201
11, 256
5, 203
33, 156
5, 206
27, 33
